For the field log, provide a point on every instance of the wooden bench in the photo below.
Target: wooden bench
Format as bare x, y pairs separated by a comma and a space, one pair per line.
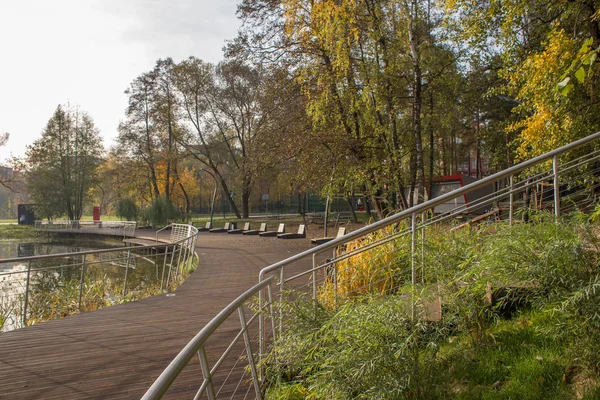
279, 230
226, 228
341, 232
206, 228
300, 235
263, 228
240, 231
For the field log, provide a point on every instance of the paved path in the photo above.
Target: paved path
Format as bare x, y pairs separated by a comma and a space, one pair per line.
117, 352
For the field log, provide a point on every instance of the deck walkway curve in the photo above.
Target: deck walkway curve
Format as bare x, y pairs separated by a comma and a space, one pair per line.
117, 352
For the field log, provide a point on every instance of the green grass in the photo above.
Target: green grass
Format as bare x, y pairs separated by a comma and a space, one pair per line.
18, 232
518, 362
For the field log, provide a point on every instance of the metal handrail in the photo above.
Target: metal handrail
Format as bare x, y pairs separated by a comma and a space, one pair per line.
183, 247
430, 204
127, 228
196, 345
162, 229
168, 376
88, 252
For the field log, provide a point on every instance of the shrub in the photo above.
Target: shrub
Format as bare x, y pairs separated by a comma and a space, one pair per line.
365, 350
379, 270
369, 346
161, 212
127, 209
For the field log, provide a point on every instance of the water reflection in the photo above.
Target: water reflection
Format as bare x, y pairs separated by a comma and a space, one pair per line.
13, 278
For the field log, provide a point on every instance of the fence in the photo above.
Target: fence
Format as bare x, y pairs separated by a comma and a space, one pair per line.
394, 251
38, 288
112, 228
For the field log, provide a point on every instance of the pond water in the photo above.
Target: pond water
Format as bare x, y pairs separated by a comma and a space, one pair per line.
13, 275
14, 249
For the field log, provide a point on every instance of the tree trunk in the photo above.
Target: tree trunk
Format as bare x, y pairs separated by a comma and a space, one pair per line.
417, 103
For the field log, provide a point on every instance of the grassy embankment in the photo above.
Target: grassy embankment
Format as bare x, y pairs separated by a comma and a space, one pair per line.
520, 321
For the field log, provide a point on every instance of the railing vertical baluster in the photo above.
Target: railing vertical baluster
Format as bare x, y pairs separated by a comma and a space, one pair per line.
271, 310
180, 245
162, 278
314, 278
181, 265
413, 248
126, 273
170, 266
423, 247
511, 200
249, 353
281, 278
210, 388
335, 283
26, 293
81, 281
556, 187
261, 332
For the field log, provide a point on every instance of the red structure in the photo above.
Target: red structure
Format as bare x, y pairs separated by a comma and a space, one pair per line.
96, 214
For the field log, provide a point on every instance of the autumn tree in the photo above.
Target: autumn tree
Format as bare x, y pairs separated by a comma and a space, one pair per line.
62, 164
540, 46
365, 68
194, 80
147, 137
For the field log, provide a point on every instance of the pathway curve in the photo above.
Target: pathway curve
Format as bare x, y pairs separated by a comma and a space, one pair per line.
117, 352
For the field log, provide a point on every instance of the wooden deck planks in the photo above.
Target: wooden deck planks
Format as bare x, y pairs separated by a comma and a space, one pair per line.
117, 352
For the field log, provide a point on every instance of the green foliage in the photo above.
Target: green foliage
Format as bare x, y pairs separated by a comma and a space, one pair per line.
127, 209
365, 350
21, 232
61, 165
55, 295
380, 270
160, 212
538, 336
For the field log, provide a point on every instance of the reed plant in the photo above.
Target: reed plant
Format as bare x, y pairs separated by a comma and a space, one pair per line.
379, 270
519, 319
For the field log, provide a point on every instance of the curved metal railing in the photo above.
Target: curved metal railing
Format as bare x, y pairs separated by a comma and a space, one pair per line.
86, 280
237, 371
110, 228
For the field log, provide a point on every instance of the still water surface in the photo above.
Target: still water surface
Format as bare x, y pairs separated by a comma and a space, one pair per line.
13, 276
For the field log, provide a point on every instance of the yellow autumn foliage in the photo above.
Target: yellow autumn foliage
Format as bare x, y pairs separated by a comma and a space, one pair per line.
378, 270
549, 120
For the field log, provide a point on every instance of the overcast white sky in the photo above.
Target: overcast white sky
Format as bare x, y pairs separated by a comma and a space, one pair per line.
87, 52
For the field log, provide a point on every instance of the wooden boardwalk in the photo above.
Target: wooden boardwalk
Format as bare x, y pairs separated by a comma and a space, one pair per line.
117, 352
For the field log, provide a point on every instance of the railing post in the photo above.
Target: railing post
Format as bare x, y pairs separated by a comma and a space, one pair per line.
249, 353
511, 200
556, 188
81, 281
413, 248
170, 266
314, 278
281, 279
26, 293
126, 273
178, 261
423, 247
261, 330
162, 278
335, 283
210, 389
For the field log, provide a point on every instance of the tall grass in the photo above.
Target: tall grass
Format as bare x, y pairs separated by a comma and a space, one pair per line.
379, 270
520, 320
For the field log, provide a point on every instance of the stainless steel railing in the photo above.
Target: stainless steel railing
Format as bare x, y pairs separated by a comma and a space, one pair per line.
393, 250
112, 228
44, 287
